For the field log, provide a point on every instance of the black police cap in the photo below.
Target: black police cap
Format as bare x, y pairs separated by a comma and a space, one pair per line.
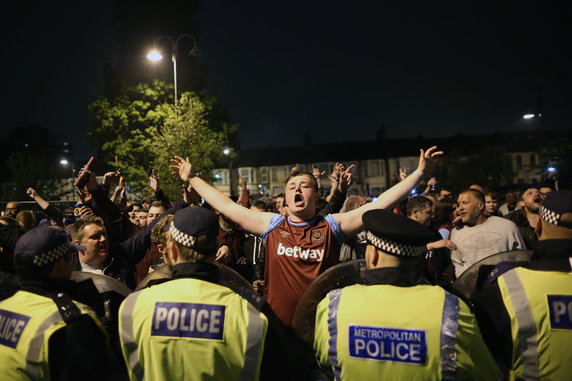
555, 205
45, 245
396, 234
192, 222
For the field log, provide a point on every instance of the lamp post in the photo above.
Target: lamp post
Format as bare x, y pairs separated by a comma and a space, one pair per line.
155, 55
65, 162
226, 152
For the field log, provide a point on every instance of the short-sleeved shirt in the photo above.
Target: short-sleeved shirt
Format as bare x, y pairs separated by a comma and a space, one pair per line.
296, 253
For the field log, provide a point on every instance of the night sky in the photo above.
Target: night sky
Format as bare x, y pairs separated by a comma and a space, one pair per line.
336, 71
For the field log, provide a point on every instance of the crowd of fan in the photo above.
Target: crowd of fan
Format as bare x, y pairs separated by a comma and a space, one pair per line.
436, 207
127, 239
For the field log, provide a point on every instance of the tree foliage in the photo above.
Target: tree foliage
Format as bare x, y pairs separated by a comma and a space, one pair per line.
142, 127
491, 166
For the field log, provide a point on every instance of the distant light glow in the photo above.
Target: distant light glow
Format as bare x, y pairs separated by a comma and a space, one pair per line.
259, 185
528, 116
551, 169
154, 56
226, 151
64, 162
414, 192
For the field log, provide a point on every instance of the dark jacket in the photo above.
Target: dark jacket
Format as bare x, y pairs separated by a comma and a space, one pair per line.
120, 264
526, 231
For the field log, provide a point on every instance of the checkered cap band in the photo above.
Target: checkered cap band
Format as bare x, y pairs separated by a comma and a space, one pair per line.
549, 216
181, 237
393, 247
52, 255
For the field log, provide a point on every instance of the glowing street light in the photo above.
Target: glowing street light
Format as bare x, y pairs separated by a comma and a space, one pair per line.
226, 151
528, 116
155, 55
64, 162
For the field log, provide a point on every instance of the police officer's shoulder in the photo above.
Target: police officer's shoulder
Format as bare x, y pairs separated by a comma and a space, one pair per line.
252, 297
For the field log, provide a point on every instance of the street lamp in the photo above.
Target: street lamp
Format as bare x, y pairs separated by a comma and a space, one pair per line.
539, 116
155, 55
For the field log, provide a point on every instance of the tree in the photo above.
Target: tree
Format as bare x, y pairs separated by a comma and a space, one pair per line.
142, 127
490, 167
189, 133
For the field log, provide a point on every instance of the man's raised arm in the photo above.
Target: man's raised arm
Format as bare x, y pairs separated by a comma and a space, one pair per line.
253, 222
351, 222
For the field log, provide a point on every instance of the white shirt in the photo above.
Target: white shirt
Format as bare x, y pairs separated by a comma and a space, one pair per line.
474, 243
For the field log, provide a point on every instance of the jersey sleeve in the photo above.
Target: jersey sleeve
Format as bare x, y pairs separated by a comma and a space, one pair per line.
336, 231
274, 222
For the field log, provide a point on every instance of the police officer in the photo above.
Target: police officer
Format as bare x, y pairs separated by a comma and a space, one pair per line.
526, 312
44, 334
191, 327
396, 326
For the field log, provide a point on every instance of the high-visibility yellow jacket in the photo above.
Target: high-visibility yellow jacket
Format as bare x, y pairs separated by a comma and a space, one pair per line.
190, 329
539, 304
383, 331
27, 321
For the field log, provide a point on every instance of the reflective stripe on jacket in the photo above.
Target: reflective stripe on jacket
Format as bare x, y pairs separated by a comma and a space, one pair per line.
539, 304
390, 332
27, 321
190, 329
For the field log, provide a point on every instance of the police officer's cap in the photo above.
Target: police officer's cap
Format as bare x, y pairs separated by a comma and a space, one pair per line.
555, 205
395, 234
192, 222
45, 245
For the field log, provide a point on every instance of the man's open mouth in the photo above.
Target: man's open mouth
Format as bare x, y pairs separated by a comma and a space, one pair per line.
298, 199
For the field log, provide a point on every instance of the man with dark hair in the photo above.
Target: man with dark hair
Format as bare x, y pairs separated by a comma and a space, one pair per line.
132, 212
193, 326
141, 218
438, 257
420, 209
157, 209
45, 334
395, 326
526, 312
12, 209
480, 235
511, 203
526, 219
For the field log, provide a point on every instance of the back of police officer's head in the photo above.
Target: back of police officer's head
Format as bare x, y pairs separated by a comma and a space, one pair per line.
556, 215
192, 236
44, 252
394, 240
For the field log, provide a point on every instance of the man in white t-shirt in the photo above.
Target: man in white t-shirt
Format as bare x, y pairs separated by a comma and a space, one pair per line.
481, 235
